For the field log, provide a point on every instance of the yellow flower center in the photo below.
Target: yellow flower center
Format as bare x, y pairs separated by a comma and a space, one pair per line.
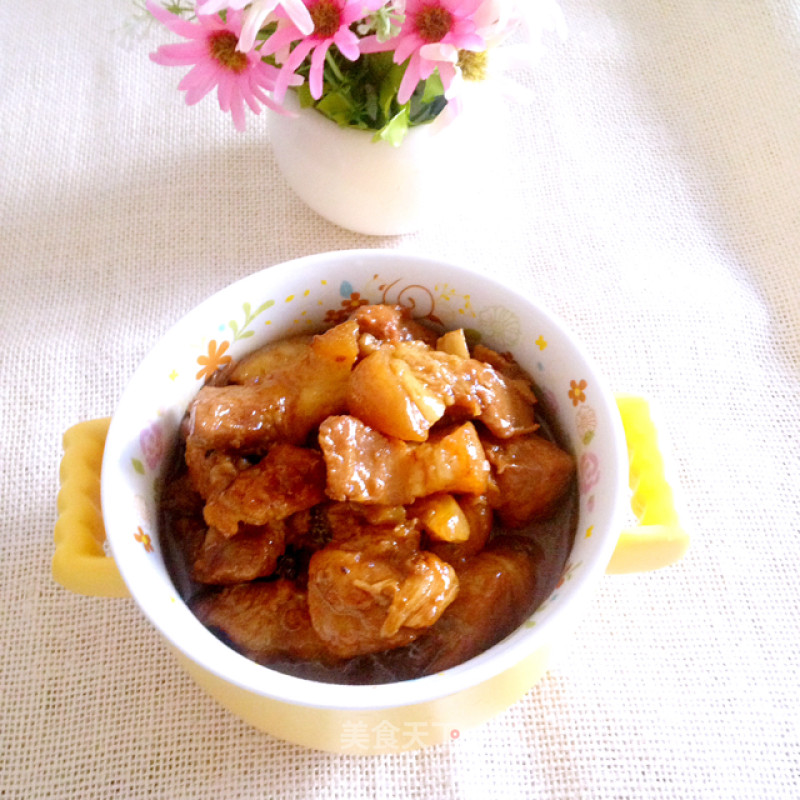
433, 23
222, 46
326, 17
473, 65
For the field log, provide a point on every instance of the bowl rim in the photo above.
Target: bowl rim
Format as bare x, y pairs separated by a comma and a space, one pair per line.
206, 650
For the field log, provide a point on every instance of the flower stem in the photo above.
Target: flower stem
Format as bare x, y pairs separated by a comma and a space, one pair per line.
330, 61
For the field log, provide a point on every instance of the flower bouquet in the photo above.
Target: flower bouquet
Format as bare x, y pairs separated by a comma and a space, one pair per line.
383, 66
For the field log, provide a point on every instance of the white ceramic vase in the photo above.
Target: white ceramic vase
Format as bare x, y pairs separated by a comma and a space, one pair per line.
368, 187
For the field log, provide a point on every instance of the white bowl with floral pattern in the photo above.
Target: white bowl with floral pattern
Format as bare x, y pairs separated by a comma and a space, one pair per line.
306, 295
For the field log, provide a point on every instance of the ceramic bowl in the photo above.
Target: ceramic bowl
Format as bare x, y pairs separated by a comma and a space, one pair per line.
306, 295
362, 185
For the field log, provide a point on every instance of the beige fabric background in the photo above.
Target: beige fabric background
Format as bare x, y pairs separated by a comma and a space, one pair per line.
650, 195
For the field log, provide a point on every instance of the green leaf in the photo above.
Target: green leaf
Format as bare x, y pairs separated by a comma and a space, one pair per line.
337, 107
421, 114
433, 88
304, 96
246, 334
332, 68
264, 306
387, 93
263, 35
363, 95
137, 466
371, 108
428, 100
378, 65
396, 129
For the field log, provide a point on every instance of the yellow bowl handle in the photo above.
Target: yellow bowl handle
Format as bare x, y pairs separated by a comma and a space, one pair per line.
658, 540
80, 562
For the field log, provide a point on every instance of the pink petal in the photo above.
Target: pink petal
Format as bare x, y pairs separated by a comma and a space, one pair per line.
286, 74
406, 47
439, 51
199, 74
447, 72
352, 12
247, 94
237, 108
224, 89
271, 104
233, 21
264, 98
179, 55
410, 81
262, 77
280, 39
297, 57
426, 68
296, 80
267, 72
463, 35
258, 93
347, 42
253, 20
299, 15
370, 44
472, 42
466, 8
175, 23
315, 74
201, 85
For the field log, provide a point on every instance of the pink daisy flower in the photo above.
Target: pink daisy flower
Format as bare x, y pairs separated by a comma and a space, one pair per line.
240, 78
431, 36
332, 20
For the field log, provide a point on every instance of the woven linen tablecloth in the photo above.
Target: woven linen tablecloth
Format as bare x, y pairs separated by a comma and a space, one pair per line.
649, 194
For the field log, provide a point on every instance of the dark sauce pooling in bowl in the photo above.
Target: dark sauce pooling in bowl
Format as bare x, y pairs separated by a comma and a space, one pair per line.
222, 577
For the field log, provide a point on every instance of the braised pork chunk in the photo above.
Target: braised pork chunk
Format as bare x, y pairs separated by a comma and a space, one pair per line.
252, 553
265, 621
495, 587
340, 503
287, 480
365, 466
531, 475
377, 590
